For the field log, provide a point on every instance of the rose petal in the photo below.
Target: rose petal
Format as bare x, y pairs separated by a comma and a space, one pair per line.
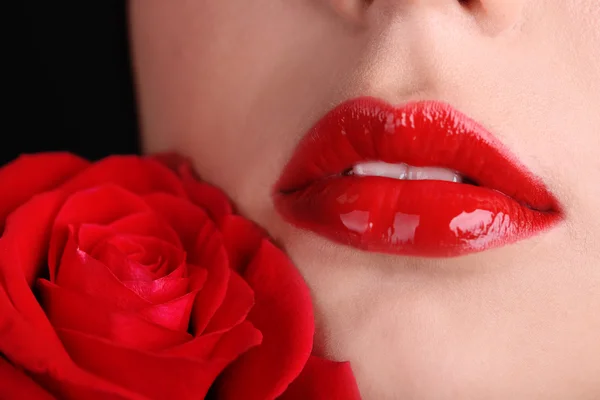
165, 288
201, 347
20, 313
101, 205
78, 384
226, 345
210, 253
170, 286
121, 266
31, 345
242, 239
14, 384
236, 306
161, 267
173, 315
182, 215
82, 273
24, 243
127, 248
26, 337
156, 376
147, 224
323, 380
158, 258
70, 310
283, 313
209, 197
197, 276
173, 161
204, 244
90, 235
140, 175
29, 175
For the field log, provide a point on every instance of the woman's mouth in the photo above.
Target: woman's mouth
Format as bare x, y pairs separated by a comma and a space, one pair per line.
422, 180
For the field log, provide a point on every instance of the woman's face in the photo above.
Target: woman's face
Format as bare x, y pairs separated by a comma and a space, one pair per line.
237, 84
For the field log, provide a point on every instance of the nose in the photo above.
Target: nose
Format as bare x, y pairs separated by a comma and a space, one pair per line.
494, 15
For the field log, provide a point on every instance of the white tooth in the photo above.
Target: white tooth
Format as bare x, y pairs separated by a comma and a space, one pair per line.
377, 168
404, 171
432, 174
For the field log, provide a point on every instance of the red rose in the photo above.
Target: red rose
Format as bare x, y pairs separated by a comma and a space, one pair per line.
128, 278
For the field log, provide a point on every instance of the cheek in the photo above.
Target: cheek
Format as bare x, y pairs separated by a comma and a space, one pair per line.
569, 84
235, 85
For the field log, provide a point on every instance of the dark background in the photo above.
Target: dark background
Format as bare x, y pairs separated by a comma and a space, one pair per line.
69, 83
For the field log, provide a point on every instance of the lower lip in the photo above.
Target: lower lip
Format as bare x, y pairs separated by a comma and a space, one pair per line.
417, 218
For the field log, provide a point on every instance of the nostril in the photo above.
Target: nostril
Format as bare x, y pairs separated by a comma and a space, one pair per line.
471, 6
467, 3
357, 8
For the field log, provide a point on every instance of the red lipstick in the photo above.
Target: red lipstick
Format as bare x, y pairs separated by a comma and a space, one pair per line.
496, 201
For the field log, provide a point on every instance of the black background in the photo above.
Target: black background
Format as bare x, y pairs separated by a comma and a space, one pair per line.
68, 85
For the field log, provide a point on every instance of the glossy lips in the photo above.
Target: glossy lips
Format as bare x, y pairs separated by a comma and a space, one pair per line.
503, 202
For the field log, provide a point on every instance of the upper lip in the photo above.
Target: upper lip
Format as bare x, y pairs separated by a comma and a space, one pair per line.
426, 133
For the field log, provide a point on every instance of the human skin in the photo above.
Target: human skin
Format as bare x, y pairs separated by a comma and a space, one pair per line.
235, 85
